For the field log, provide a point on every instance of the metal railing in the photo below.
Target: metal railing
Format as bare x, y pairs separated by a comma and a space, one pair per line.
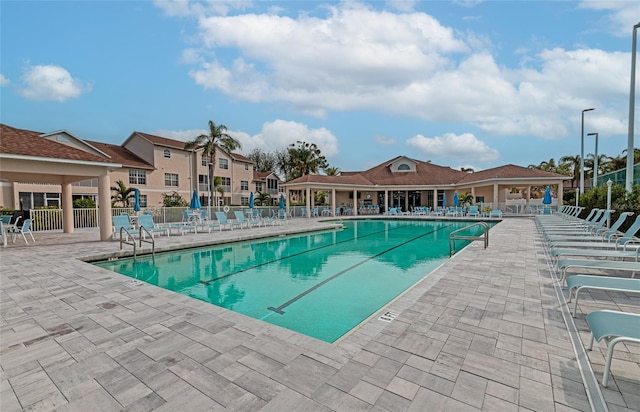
453, 236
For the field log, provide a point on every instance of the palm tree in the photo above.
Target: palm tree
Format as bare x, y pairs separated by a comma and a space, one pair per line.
209, 142
262, 198
332, 171
467, 169
306, 159
122, 194
572, 163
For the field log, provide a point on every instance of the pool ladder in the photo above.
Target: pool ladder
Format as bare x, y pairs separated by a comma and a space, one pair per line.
142, 231
453, 236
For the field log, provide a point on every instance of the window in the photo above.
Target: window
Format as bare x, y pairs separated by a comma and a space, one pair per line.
205, 160
403, 166
246, 166
225, 181
223, 163
258, 186
203, 183
167, 154
143, 200
244, 185
171, 179
244, 201
272, 183
137, 177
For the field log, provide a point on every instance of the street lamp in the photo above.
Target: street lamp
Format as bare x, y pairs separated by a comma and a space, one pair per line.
582, 151
595, 161
609, 183
632, 98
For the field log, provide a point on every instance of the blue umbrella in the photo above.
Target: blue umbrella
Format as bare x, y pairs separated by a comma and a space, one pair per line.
444, 200
136, 201
195, 200
547, 196
456, 201
281, 201
251, 203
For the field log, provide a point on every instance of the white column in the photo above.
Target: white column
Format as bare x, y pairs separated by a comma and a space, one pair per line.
495, 196
104, 202
333, 202
355, 202
308, 202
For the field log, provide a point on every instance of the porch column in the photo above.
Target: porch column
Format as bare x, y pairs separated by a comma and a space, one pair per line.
288, 202
560, 193
386, 201
528, 197
67, 208
406, 200
435, 199
495, 196
355, 202
473, 195
333, 202
104, 203
308, 202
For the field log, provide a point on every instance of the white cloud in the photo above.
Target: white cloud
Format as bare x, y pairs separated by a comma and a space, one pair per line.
50, 82
3, 80
355, 58
465, 146
275, 135
183, 8
385, 141
622, 17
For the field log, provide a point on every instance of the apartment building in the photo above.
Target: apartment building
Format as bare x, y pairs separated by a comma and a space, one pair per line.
155, 165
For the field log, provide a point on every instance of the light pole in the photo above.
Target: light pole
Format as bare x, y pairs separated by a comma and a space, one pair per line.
582, 151
609, 183
595, 161
632, 98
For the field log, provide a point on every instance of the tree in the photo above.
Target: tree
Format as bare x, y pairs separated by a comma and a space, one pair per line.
467, 169
572, 163
217, 136
263, 161
332, 171
262, 198
122, 194
306, 158
173, 199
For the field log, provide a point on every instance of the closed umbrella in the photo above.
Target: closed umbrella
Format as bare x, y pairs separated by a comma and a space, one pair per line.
444, 200
136, 201
281, 201
547, 196
251, 202
456, 201
195, 200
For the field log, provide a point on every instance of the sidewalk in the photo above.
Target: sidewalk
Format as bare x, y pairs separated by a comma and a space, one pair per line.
485, 331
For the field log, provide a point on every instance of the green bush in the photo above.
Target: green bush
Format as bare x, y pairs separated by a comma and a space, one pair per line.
86, 203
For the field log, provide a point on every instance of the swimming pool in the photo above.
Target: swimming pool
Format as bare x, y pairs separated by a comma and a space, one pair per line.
321, 284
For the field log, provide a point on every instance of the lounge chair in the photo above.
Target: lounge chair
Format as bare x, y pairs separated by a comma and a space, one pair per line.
597, 253
589, 229
474, 211
146, 221
121, 225
497, 213
576, 283
25, 229
610, 240
243, 221
223, 221
614, 327
603, 265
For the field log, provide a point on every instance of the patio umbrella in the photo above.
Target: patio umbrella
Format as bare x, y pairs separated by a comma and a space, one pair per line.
281, 201
136, 200
547, 196
251, 202
195, 200
444, 200
456, 201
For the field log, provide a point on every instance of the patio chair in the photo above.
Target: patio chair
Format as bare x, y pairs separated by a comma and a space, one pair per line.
146, 221
603, 265
610, 240
243, 221
223, 221
614, 327
577, 283
25, 229
121, 225
497, 213
474, 211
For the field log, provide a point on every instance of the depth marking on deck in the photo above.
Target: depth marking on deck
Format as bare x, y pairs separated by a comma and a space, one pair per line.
280, 308
388, 316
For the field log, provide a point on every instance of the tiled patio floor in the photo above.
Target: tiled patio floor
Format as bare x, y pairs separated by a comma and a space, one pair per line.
485, 331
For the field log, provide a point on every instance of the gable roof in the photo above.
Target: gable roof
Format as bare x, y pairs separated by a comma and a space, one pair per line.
123, 156
28, 143
509, 171
159, 141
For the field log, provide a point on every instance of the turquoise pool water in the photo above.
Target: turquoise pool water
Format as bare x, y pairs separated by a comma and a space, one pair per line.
321, 284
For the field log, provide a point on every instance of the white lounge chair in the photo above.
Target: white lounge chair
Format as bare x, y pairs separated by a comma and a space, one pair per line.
602, 265
146, 222
614, 327
223, 221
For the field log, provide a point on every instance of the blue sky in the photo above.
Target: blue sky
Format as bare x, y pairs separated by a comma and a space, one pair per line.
463, 84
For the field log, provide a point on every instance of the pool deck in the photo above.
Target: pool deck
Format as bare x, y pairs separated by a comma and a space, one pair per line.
487, 331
